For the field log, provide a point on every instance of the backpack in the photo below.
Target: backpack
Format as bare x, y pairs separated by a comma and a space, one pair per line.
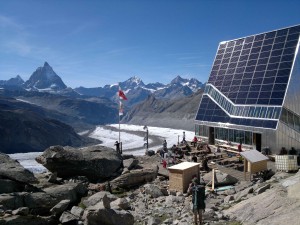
198, 198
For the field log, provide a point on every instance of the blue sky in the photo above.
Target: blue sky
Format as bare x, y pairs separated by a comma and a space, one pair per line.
91, 43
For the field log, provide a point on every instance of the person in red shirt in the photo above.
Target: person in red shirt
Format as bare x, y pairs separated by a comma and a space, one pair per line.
240, 147
195, 140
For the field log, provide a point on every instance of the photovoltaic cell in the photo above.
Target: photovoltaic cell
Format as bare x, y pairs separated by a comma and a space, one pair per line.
253, 70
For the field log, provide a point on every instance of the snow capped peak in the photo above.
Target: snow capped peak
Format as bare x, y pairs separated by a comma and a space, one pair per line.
45, 77
135, 79
132, 83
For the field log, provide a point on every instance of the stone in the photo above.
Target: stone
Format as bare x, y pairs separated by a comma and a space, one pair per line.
12, 201
8, 186
134, 178
228, 198
96, 198
67, 217
153, 190
29, 219
221, 178
179, 193
97, 163
53, 178
60, 207
13, 170
102, 215
243, 193
262, 189
106, 202
120, 203
23, 211
242, 185
153, 221
42, 202
77, 211
130, 163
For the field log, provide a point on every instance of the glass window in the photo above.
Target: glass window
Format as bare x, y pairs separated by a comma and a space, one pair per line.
257, 111
297, 123
269, 112
290, 118
197, 127
251, 112
276, 113
263, 112
248, 138
230, 135
246, 111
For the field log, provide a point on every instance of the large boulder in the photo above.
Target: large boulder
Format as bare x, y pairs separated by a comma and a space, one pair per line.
11, 169
29, 219
97, 163
8, 186
134, 178
98, 197
41, 202
105, 216
220, 179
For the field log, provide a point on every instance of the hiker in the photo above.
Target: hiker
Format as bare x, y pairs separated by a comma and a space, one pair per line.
117, 144
198, 199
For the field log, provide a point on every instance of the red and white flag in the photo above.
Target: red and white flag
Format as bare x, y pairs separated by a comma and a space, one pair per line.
121, 94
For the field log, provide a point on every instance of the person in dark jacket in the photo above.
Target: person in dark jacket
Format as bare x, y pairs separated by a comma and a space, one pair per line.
198, 199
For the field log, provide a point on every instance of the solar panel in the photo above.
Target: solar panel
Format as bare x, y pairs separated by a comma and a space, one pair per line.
253, 70
255, 58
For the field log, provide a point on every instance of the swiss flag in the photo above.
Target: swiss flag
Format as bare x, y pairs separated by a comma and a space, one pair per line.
122, 95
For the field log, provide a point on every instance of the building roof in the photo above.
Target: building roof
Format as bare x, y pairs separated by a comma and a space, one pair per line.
254, 156
183, 166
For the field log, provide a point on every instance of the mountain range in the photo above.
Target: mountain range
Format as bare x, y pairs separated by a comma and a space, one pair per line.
44, 79
45, 101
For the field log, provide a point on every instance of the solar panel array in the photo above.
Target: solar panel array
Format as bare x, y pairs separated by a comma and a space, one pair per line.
253, 70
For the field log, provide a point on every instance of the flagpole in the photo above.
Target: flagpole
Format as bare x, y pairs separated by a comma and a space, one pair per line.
119, 118
121, 97
119, 130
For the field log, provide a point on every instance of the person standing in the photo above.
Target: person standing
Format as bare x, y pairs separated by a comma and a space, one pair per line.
198, 199
117, 144
165, 145
240, 147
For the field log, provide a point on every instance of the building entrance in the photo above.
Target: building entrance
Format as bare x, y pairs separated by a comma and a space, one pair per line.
257, 141
211, 135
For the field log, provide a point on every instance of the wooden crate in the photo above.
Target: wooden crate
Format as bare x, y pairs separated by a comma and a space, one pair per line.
180, 175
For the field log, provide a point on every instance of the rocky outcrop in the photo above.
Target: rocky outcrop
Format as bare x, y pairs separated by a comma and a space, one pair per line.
96, 162
41, 202
134, 178
12, 170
